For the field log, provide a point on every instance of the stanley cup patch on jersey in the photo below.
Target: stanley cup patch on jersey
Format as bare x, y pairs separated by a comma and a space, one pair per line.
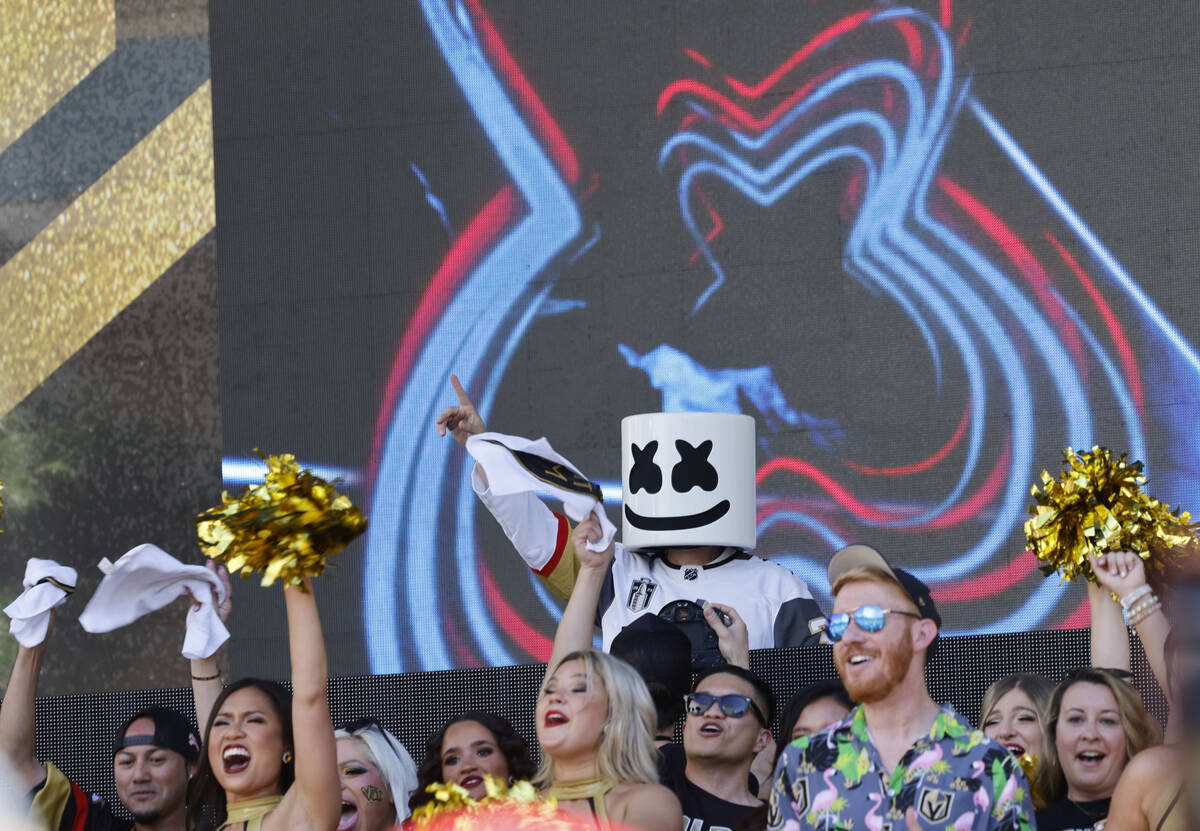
640, 592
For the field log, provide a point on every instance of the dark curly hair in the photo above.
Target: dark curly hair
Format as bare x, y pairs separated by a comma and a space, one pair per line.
206, 797
514, 748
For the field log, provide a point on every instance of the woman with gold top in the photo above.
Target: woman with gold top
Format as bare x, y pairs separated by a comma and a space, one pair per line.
270, 761
595, 718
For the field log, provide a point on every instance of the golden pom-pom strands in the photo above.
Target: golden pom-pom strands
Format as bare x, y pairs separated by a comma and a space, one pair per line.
285, 528
517, 806
1097, 505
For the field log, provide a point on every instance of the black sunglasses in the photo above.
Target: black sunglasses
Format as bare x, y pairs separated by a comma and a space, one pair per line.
732, 705
362, 724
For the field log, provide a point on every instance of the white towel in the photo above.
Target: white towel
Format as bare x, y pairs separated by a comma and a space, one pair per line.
47, 584
144, 580
517, 465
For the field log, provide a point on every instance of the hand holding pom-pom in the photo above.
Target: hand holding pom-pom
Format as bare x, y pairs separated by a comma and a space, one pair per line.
286, 527
1097, 506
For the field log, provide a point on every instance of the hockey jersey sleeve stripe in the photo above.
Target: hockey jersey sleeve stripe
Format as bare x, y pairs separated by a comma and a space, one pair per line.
560, 545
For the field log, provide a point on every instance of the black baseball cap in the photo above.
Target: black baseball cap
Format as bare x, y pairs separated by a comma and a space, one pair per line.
659, 651
171, 732
864, 556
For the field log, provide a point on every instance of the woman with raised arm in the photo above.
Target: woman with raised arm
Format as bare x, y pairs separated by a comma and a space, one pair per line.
1016, 708
595, 718
270, 760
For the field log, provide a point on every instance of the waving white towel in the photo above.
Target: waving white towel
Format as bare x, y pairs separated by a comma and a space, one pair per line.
144, 580
517, 465
47, 584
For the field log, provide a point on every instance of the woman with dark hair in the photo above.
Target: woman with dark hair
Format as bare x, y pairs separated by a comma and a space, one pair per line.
812, 708
1096, 725
270, 761
467, 748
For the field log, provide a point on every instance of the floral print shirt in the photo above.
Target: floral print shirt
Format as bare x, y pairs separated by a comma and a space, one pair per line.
955, 777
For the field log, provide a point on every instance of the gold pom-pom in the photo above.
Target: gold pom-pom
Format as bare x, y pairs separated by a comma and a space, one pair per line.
518, 806
1097, 505
285, 527
1029, 764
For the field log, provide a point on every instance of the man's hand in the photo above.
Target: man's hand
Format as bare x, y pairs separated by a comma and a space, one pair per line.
589, 531
733, 640
462, 421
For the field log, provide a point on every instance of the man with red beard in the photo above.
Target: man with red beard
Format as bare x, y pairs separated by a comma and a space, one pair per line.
897, 750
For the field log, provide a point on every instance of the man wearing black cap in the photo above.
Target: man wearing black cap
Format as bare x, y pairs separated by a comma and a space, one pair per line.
154, 754
898, 753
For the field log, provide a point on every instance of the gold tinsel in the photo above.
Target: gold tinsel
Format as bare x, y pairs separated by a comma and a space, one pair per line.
517, 806
285, 527
1097, 505
1029, 764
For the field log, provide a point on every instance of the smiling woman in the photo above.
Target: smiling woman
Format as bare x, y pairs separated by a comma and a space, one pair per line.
466, 749
595, 724
378, 777
1015, 713
270, 761
1097, 724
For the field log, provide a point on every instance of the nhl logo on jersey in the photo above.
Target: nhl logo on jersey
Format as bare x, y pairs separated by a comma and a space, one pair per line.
691, 574
640, 593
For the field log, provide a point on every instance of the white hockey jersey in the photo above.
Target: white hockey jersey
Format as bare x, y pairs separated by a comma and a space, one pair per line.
776, 605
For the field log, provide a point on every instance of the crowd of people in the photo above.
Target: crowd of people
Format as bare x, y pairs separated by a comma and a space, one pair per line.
869, 749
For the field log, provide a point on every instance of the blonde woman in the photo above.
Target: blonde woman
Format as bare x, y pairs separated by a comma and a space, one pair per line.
595, 719
1015, 712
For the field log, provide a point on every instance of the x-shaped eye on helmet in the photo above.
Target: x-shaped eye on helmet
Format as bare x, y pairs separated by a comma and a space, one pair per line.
694, 470
645, 474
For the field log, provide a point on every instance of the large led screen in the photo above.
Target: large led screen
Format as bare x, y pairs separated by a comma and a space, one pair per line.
926, 247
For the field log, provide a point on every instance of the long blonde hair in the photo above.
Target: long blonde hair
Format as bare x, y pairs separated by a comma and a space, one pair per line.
626, 750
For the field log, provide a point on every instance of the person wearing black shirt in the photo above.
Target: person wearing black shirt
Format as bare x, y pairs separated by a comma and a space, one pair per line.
726, 726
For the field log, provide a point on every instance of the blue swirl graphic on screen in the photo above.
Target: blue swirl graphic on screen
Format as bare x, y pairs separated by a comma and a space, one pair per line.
1034, 342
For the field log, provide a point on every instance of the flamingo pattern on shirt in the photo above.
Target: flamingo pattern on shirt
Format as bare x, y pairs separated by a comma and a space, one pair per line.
955, 777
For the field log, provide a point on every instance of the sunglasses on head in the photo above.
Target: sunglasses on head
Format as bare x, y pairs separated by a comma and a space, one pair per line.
732, 705
869, 619
362, 724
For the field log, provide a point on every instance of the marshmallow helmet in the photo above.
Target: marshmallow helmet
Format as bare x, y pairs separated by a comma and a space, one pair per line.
687, 479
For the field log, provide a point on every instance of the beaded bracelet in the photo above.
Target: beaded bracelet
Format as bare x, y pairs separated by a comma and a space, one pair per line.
1137, 594
1141, 605
1144, 612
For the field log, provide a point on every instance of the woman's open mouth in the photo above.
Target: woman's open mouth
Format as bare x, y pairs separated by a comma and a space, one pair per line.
349, 817
235, 759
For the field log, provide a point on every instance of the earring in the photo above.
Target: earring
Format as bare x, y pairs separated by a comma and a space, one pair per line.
287, 757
